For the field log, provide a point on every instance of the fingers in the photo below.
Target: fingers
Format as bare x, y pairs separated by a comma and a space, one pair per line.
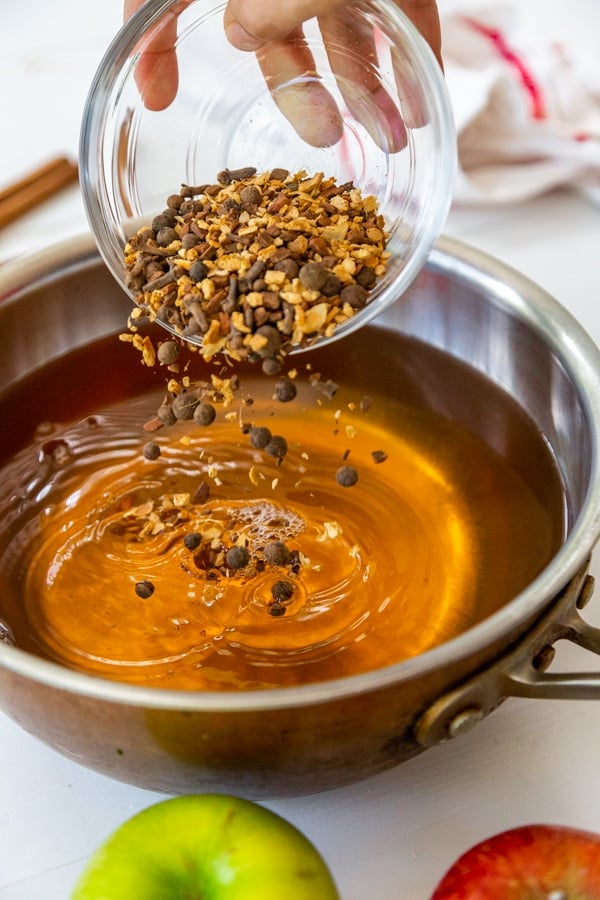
425, 17
413, 99
156, 72
251, 23
288, 66
303, 100
352, 54
286, 61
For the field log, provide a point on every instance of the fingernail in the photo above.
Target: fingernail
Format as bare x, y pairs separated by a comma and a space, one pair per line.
312, 111
240, 38
391, 120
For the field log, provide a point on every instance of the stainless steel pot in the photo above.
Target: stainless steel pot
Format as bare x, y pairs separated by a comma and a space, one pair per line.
314, 737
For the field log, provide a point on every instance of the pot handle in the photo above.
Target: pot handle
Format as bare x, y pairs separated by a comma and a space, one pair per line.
522, 671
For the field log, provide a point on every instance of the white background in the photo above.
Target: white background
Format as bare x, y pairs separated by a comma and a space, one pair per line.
392, 837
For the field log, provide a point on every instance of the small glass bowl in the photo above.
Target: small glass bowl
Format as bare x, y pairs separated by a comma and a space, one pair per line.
380, 119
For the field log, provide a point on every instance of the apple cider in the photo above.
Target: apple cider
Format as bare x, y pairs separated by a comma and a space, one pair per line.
116, 564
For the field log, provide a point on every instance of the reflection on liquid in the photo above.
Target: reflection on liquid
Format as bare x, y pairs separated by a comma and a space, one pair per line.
429, 541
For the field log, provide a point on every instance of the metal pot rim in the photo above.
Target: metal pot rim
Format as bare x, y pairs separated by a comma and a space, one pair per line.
571, 344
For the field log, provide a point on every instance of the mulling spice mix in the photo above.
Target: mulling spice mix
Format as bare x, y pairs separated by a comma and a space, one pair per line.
258, 264
247, 269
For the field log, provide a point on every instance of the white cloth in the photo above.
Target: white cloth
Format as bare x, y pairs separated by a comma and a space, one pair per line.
527, 108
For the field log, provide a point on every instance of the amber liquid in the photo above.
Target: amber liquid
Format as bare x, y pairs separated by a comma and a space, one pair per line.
428, 542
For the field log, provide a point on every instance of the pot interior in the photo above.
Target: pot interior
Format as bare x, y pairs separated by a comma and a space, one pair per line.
461, 350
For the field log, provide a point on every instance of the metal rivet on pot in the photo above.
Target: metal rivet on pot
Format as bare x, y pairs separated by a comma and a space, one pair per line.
465, 720
544, 658
585, 595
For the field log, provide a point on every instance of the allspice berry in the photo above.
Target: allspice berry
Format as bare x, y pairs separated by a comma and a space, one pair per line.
166, 236
250, 197
192, 540
285, 390
144, 589
277, 554
259, 436
313, 275
346, 476
277, 447
237, 557
355, 295
204, 414
184, 405
151, 450
167, 353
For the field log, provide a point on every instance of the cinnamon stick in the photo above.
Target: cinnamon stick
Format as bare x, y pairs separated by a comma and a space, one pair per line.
36, 187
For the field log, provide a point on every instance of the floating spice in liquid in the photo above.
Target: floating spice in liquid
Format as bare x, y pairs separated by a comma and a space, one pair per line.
434, 536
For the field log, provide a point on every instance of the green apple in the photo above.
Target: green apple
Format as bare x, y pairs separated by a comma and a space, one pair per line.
206, 847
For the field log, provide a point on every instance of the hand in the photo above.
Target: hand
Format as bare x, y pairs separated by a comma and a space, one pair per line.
249, 23
283, 55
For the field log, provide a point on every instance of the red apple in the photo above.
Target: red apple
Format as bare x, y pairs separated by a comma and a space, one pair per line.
533, 862
206, 846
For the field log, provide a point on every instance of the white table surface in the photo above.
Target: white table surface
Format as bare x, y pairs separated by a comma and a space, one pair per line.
391, 837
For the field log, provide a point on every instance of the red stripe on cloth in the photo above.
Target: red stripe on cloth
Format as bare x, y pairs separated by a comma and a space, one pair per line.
532, 88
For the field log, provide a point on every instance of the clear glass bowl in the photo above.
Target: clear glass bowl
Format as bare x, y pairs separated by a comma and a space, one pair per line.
381, 120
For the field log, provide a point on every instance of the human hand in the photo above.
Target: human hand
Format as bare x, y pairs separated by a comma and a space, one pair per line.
285, 57
249, 23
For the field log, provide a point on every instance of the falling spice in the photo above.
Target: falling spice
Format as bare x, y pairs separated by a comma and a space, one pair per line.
277, 447
285, 390
167, 353
259, 436
204, 414
249, 268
